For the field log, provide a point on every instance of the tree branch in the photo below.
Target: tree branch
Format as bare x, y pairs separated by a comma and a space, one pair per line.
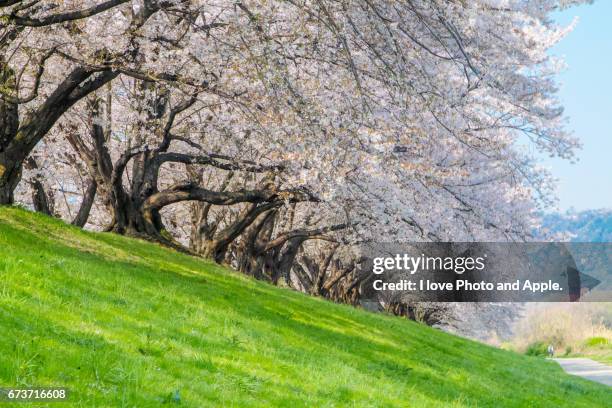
34, 92
167, 136
66, 16
212, 160
318, 233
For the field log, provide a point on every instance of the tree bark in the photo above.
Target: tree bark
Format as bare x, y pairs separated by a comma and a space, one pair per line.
85, 209
10, 175
40, 199
213, 242
10, 168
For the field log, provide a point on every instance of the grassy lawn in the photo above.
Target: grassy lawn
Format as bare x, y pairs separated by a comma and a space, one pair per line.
126, 323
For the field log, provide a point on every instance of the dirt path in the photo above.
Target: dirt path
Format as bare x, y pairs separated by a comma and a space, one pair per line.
587, 368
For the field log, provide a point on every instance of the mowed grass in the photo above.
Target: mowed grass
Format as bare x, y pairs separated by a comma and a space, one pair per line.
125, 323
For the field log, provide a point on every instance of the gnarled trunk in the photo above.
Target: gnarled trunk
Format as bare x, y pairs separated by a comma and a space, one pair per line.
211, 240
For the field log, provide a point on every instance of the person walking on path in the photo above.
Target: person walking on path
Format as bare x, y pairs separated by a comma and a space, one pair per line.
551, 350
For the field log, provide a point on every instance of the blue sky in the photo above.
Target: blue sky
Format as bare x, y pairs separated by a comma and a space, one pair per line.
586, 93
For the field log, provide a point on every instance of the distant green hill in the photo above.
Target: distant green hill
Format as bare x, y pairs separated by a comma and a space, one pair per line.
126, 323
584, 226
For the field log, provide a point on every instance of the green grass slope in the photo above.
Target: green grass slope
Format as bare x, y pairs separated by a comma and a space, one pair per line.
126, 323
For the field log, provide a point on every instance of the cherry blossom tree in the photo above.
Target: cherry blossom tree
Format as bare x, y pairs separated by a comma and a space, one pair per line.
42, 77
277, 136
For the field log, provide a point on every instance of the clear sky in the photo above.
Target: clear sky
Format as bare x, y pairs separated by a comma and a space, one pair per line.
586, 93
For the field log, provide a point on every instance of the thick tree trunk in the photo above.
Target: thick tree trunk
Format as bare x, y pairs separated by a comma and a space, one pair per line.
10, 175
199, 225
131, 214
127, 217
40, 199
88, 199
10, 167
211, 241
248, 251
43, 202
283, 260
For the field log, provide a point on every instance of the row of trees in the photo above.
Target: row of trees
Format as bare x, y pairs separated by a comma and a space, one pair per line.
279, 136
